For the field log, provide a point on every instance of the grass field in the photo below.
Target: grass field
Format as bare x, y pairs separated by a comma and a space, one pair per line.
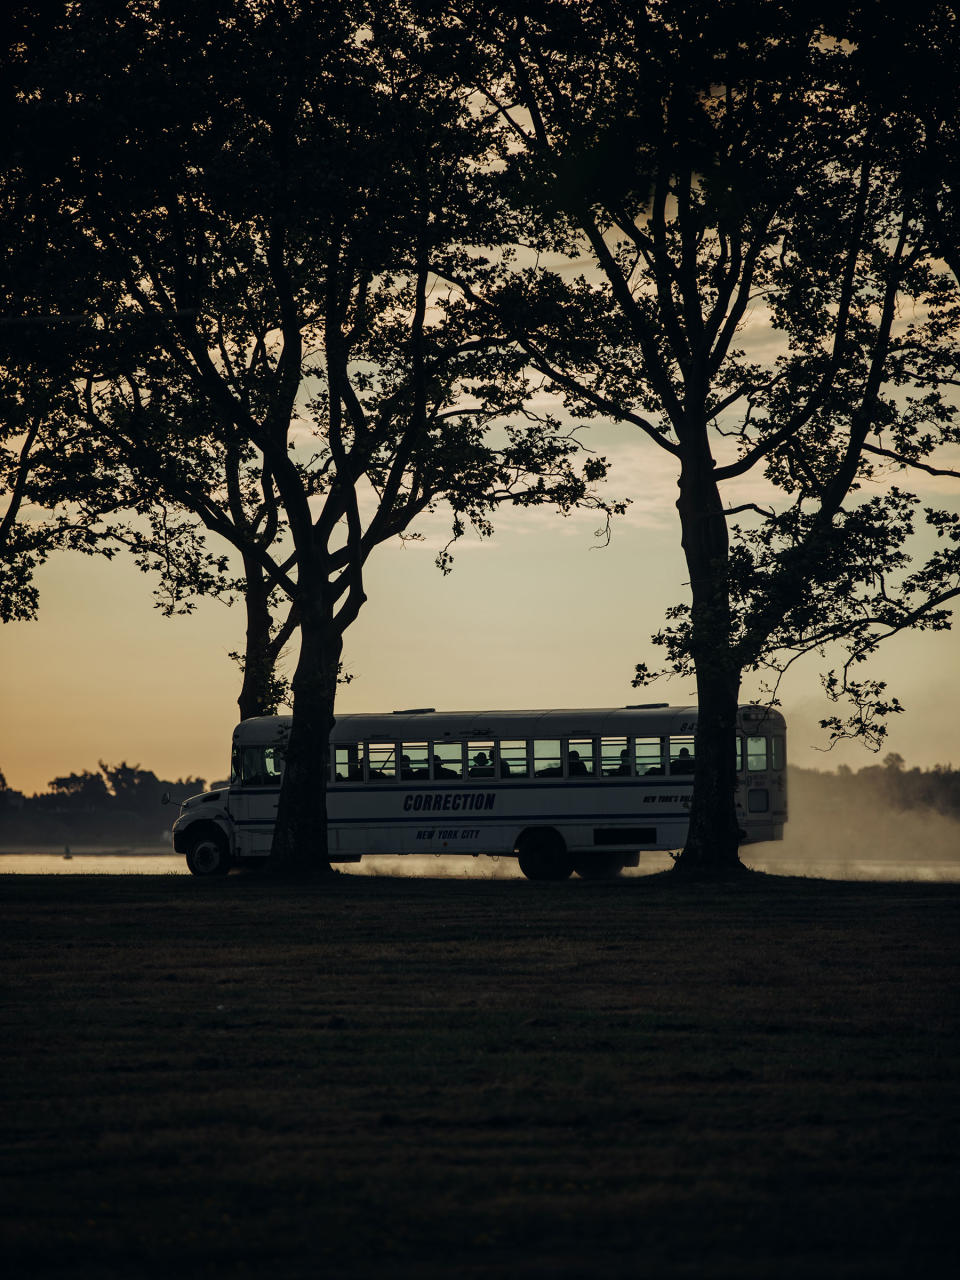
435, 1078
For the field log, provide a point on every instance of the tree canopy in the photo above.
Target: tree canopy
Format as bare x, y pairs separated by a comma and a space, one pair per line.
764, 295
318, 289
274, 352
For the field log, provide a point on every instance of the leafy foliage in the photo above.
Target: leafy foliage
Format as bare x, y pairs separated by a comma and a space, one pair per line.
741, 259
279, 359
328, 285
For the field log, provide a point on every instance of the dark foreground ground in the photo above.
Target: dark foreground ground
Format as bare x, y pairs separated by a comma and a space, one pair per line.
416, 1078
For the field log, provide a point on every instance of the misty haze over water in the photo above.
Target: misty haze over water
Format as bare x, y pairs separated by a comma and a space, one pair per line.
837, 830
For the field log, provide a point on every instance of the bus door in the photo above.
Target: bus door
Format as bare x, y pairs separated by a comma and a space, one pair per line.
254, 797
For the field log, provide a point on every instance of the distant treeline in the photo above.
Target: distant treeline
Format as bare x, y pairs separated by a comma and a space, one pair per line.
123, 803
890, 785
117, 803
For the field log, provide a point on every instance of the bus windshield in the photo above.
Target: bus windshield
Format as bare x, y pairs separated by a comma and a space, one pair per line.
261, 766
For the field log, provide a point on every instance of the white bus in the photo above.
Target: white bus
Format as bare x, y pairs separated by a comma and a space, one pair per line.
582, 791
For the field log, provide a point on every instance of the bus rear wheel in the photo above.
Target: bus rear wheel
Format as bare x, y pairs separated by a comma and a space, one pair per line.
207, 854
599, 866
543, 856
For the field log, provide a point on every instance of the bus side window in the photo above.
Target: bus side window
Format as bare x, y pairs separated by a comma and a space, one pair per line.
381, 760
681, 755
778, 754
756, 755
513, 758
739, 751
614, 758
580, 758
235, 769
414, 760
648, 753
546, 758
448, 759
480, 759
346, 763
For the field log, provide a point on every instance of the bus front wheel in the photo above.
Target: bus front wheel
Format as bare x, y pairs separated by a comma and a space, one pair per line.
207, 854
542, 855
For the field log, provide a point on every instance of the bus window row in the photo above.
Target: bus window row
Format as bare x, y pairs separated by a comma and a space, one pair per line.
510, 758
539, 758
513, 758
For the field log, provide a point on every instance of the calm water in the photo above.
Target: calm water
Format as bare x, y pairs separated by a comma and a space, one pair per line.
132, 863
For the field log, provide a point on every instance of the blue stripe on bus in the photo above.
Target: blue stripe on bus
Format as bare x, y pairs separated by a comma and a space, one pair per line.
471, 819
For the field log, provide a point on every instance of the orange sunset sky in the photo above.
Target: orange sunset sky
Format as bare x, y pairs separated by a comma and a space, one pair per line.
537, 616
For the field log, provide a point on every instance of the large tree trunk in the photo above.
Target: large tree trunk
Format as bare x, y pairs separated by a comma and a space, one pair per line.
300, 846
713, 836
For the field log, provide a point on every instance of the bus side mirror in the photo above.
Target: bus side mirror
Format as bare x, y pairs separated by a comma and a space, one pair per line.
165, 798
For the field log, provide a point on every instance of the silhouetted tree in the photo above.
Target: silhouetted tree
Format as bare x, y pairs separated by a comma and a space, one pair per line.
43, 331
64, 489
280, 360
118, 802
82, 791
704, 168
8, 797
879, 788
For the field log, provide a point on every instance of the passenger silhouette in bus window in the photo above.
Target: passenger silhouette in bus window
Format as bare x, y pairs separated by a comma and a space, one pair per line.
575, 766
683, 762
482, 766
405, 769
440, 771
